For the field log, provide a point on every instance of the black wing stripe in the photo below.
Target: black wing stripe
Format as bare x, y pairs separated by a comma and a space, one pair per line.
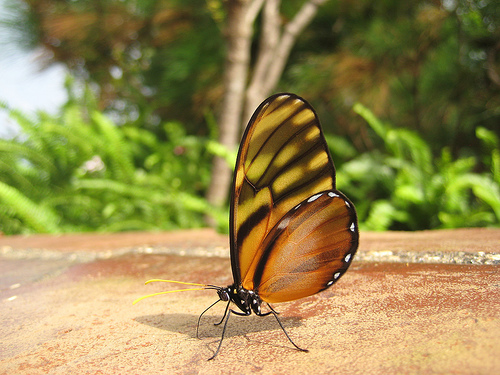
283, 148
267, 135
247, 226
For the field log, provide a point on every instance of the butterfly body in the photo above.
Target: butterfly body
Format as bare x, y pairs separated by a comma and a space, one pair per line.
246, 300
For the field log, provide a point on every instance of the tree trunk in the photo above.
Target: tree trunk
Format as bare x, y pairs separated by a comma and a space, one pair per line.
241, 16
274, 50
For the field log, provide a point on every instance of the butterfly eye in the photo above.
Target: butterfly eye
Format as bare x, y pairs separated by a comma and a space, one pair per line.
223, 295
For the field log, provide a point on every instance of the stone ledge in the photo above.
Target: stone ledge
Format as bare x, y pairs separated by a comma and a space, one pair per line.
459, 246
66, 307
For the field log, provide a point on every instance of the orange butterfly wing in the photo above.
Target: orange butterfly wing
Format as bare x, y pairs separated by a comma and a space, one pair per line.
309, 249
283, 160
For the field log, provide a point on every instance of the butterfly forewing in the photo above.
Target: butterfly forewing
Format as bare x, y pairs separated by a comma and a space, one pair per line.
283, 159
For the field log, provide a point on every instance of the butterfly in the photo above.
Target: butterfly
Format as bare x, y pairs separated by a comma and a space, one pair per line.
292, 233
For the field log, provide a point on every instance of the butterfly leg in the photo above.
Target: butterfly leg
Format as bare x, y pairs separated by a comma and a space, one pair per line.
223, 316
224, 330
283, 328
199, 318
271, 308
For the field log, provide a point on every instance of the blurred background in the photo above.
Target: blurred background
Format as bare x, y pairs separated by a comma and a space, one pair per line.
123, 115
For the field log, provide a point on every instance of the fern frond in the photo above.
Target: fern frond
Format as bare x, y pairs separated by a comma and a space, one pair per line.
117, 150
39, 218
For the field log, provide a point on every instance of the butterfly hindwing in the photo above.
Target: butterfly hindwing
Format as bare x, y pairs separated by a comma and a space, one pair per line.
308, 250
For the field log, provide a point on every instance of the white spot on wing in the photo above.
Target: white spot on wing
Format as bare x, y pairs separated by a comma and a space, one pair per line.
331, 194
336, 275
329, 283
352, 227
347, 258
283, 223
314, 197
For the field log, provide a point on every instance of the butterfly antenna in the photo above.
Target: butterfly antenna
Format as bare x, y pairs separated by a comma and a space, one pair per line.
202, 287
284, 330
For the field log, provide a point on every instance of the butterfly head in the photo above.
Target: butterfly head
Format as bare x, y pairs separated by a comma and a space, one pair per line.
224, 294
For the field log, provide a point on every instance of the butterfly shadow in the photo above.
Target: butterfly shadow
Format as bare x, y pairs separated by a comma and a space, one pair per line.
237, 326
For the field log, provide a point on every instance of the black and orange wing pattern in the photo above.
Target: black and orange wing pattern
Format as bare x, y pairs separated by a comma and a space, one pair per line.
292, 233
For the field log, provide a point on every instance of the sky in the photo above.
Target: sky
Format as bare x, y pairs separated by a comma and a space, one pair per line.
24, 86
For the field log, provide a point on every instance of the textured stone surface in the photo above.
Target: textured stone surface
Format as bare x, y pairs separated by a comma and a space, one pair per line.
66, 307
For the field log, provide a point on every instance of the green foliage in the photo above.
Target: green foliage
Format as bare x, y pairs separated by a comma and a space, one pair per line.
30, 214
405, 188
430, 67
77, 171
426, 66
